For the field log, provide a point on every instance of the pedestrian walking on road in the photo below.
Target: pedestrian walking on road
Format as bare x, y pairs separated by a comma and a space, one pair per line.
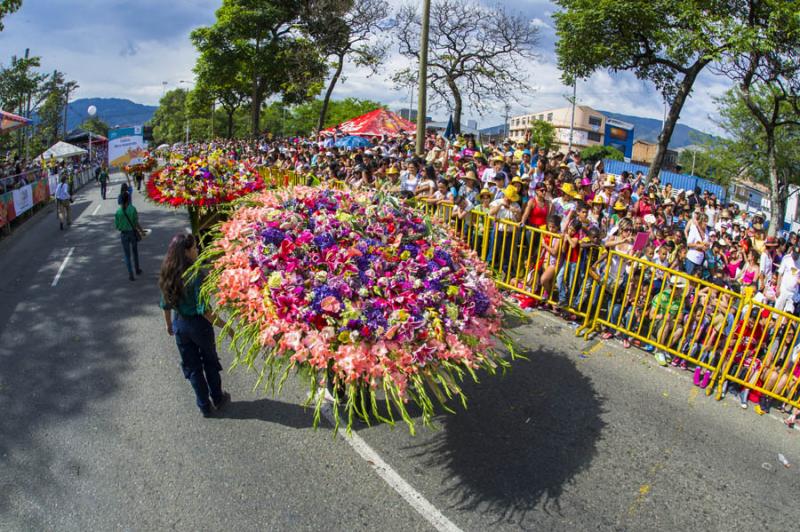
125, 187
103, 179
191, 321
63, 203
126, 220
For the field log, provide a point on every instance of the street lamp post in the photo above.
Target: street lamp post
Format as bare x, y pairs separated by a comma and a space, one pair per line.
423, 76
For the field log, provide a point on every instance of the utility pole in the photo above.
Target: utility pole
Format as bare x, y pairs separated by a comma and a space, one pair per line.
423, 76
507, 128
66, 106
572, 120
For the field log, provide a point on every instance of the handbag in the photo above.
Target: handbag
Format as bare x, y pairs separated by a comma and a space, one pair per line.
136, 229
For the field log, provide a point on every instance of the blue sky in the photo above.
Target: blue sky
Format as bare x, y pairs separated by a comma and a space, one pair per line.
119, 48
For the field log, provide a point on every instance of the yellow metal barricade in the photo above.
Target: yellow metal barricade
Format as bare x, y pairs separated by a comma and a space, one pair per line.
676, 313
763, 352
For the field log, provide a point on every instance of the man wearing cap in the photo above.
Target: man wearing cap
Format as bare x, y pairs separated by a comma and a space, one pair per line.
497, 168
576, 165
525, 166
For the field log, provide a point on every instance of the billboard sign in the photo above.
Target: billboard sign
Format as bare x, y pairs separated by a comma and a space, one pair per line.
125, 145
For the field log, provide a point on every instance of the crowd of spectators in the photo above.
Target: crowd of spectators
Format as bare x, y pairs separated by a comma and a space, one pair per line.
579, 213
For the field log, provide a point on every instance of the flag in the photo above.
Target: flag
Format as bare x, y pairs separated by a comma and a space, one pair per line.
449, 134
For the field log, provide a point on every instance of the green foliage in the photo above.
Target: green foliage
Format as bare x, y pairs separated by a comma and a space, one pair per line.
742, 153
593, 154
263, 41
543, 133
7, 7
96, 126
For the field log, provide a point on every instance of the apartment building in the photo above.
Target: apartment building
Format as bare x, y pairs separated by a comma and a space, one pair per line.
589, 129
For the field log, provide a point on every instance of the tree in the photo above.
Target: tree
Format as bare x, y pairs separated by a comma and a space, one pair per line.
475, 52
96, 126
169, 120
592, 154
765, 154
543, 133
353, 37
52, 105
220, 79
768, 84
7, 7
665, 42
266, 40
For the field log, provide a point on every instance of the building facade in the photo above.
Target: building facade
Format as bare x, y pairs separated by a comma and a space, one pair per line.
644, 152
589, 129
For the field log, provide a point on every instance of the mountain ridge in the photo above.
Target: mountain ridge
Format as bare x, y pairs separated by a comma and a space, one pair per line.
113, 111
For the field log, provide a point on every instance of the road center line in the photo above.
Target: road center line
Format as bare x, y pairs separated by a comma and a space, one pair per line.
391, 477
63, 265
96, 209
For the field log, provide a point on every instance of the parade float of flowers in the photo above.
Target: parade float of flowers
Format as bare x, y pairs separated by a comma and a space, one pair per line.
358, 294
142, 165
202, 181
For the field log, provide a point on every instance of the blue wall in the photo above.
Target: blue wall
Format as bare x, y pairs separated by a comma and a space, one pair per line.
626, 145
683, 181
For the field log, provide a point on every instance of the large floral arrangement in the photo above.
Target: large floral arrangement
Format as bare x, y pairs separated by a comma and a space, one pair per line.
146, 164
359, 294
203, 181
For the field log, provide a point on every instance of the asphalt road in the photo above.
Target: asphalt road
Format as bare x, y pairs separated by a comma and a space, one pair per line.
98, 430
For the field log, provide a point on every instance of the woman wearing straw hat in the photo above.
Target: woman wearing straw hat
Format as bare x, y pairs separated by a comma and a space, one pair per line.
507, 212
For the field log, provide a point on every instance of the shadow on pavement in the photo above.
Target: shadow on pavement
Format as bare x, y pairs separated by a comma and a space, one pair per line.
65, 351
286, 414
524, 437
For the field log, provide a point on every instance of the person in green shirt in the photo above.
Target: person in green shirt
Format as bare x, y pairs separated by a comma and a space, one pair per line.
191, 321
103, 178
126, 220
664, 313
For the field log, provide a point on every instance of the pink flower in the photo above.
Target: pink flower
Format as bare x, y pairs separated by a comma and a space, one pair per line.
330, 305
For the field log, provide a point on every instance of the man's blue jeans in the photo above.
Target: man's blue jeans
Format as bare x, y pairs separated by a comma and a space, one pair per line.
199, 360
130, 246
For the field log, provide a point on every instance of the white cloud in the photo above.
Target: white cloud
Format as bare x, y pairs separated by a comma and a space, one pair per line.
120, 48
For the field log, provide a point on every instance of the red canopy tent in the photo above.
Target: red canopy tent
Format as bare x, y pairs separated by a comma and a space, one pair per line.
10, 122
374, 124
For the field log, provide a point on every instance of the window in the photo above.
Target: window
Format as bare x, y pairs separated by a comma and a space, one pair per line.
594, 136
549, 117
595, 121
541, 117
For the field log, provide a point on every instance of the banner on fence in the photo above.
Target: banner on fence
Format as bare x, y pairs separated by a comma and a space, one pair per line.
7, 212
53, 183
23, 199
41, 191
125, 144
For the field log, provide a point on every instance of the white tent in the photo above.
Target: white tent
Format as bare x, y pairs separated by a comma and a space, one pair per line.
62, 150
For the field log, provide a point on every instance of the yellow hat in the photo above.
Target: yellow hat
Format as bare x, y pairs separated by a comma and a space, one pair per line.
392, 171
486, 192
619, 206
498, 159
510, 192
598, 200
516, 180
569, 190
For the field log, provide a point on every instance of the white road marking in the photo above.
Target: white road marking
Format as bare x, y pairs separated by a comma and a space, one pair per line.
63, 265
96, 209
391, 477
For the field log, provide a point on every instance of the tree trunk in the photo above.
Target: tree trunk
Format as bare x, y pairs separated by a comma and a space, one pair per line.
672, 117
256, 109
457, 107
777, 196
230, 123
326, 100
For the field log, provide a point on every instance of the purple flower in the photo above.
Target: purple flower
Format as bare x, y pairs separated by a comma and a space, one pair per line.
324, 241
481, 302
273, 236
